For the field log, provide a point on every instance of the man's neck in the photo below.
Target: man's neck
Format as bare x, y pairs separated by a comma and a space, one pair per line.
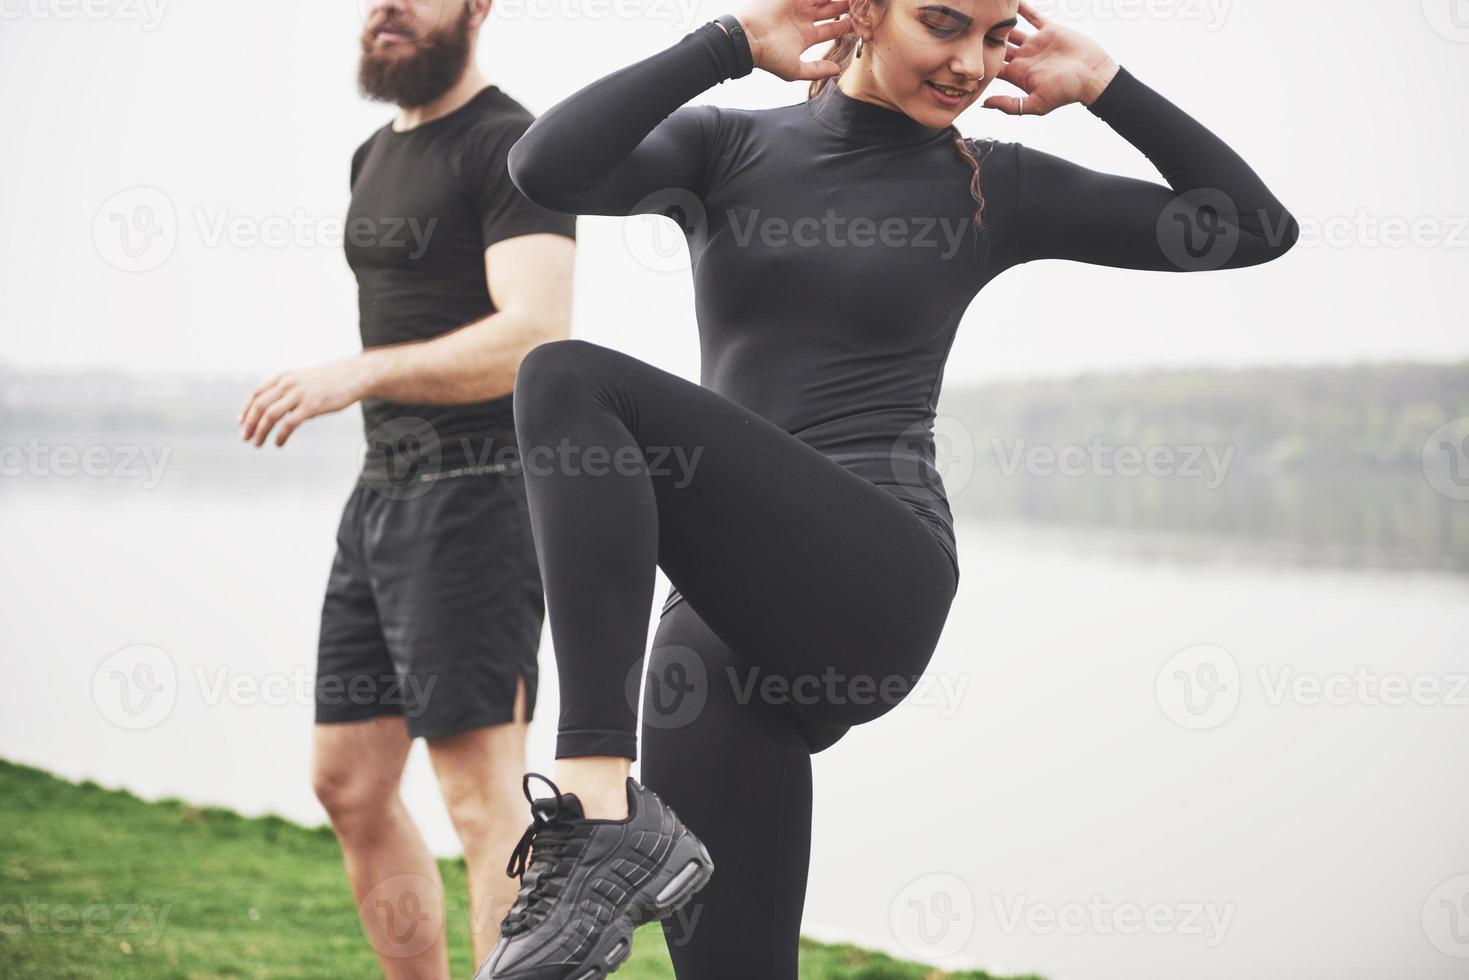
469, 85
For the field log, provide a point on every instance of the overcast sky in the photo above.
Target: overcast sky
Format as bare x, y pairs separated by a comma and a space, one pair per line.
213, 121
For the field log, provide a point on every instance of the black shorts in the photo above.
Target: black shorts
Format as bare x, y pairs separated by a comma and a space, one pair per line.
433, 608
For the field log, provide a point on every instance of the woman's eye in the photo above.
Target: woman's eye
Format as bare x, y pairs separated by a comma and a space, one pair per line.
995, 42
941, 30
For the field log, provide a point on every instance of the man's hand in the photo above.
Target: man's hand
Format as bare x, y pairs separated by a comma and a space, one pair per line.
295, 396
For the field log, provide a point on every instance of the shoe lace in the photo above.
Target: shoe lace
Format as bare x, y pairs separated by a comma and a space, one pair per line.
542, 860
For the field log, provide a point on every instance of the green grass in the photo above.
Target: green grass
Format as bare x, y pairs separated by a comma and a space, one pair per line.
98, 883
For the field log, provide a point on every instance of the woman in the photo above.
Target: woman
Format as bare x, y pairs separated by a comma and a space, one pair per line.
791, 497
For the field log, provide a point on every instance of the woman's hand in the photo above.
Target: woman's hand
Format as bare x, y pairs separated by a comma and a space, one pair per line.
1054, 67
781, 30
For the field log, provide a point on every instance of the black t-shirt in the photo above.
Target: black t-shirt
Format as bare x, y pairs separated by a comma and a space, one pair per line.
426, 203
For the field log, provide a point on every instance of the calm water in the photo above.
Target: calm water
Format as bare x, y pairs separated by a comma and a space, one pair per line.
1127, 766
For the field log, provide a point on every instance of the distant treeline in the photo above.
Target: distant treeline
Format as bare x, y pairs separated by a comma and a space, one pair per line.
1305, 465
1376, 415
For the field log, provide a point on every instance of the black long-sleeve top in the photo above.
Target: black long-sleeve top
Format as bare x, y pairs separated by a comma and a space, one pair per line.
832, 241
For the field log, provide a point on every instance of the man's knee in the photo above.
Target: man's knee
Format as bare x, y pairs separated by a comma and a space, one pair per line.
479, 777
355, 788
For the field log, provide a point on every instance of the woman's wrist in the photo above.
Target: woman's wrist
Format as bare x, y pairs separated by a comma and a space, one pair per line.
1098, 81
741, 43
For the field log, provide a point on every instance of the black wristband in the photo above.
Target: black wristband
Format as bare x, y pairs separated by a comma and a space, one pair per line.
744, 59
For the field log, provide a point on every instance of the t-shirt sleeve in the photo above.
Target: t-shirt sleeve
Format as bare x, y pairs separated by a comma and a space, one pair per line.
504, 212
359, 156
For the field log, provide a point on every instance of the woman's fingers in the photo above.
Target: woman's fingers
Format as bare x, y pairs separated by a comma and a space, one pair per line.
1010, 105
1030, 14
1018, 37
807, 71
834, 29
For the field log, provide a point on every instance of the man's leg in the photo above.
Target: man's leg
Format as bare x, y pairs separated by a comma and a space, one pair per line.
479, 774
395, 881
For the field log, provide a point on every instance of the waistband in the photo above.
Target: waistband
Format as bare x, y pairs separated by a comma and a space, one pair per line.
408, 451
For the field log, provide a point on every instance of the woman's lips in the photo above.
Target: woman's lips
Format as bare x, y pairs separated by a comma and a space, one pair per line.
944, 98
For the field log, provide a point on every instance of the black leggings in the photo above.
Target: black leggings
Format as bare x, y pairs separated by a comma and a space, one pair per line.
813, 600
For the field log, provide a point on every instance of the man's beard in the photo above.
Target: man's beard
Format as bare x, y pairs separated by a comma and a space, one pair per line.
416, 79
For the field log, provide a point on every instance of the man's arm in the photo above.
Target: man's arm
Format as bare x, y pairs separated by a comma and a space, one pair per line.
529, 279
530, 284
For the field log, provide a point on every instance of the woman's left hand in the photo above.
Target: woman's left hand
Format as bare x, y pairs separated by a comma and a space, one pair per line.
1054, 67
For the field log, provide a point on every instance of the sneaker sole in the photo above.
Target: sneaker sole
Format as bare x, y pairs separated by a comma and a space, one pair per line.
690, 870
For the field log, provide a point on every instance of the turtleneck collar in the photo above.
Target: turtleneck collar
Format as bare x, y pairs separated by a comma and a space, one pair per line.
867, 121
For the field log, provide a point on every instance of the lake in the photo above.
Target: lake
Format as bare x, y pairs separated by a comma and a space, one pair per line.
1126, 764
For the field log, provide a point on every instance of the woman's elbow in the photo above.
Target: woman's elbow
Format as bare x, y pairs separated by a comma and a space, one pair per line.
1276, 235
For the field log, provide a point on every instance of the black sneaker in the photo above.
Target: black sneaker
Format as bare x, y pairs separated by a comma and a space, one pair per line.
590, 883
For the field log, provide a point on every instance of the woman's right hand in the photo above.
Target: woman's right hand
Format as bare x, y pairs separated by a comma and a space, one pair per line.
780, 31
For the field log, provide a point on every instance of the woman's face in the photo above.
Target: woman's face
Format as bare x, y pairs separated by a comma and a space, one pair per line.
932, 59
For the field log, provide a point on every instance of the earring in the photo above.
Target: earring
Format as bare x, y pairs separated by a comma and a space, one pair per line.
859, 47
